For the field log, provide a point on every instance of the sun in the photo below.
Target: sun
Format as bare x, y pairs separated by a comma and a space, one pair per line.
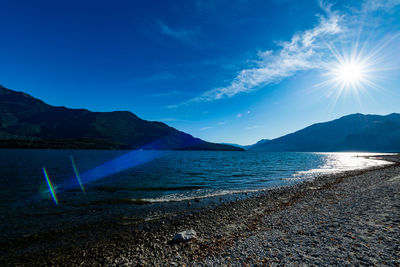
350, 73
354, 70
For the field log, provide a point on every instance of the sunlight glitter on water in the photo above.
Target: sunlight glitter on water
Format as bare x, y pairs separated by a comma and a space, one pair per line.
346, 161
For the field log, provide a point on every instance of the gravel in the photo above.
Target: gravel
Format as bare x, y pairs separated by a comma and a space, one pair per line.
354, 222
351, 218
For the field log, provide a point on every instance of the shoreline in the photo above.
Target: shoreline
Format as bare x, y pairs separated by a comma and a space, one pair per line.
218, 228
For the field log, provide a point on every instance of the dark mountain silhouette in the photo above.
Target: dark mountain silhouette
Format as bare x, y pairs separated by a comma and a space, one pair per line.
356, 132
29, 122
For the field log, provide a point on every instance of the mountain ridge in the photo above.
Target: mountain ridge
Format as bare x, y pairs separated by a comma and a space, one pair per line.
354, 132
28, 122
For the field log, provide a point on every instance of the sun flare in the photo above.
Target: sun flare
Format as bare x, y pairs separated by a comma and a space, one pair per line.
352, 75
350, 72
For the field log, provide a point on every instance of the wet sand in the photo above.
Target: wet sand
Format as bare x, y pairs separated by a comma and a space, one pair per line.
342, 219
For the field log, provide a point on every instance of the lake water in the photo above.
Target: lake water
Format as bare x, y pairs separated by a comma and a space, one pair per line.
44, 190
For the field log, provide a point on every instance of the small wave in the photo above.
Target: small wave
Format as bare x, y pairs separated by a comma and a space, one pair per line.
137, 201
194, 173
295, 178
242, 175
312, 172
175, 198
117, 189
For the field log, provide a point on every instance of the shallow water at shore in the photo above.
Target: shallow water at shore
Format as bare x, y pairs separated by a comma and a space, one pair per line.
93, 186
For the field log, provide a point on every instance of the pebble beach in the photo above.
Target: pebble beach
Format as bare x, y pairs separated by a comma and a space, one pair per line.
350, 218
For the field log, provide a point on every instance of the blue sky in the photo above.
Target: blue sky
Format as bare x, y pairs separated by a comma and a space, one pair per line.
226, 71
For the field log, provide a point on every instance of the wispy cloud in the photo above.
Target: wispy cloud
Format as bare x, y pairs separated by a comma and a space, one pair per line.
239, 115
185, 35
157, 77
302, 52
252, 127
171, 93
172, 106
206, 128
373, 5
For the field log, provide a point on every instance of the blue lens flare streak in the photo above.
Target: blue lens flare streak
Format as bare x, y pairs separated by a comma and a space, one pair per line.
129, 160
77, 174
124, 162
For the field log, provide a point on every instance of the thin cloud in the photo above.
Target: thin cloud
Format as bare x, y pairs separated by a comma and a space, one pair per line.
252, 127
239, 115
206, 128
302, 52
184, 35
174, 92
172, 106
373, 5
157, 77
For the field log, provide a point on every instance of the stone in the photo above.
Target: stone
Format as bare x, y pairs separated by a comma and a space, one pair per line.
185, 236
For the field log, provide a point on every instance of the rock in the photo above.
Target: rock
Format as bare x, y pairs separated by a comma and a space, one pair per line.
185, 236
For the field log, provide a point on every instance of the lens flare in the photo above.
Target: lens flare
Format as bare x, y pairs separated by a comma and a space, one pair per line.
126, 161
77, 175
49, 184
356, 69
350, 73
121, 163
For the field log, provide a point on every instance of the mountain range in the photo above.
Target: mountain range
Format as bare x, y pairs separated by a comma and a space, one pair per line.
355, 132
28, 122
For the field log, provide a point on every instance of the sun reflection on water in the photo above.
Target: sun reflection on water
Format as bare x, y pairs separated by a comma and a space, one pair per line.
339, 162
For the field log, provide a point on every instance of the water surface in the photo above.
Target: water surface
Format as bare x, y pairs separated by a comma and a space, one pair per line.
92, 186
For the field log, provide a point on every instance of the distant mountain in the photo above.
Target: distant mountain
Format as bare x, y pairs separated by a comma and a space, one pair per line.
247, 147
231, 144
356, 132
261, 142
29, 122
